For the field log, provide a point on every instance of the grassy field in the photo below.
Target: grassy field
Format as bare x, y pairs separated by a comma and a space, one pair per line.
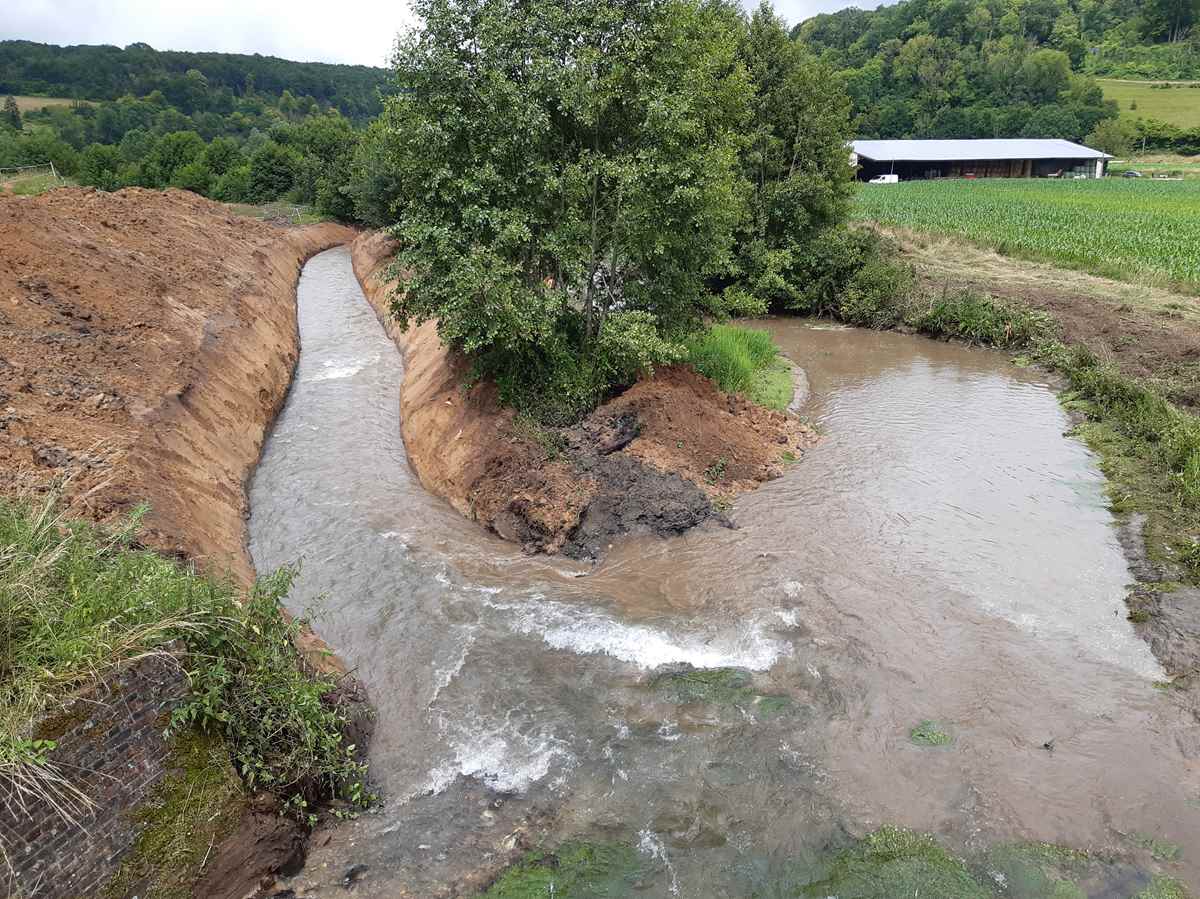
1178, 105
1169, 165
26, 104
1133, 230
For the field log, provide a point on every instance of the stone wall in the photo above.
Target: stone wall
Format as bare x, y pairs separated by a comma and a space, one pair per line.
110, 745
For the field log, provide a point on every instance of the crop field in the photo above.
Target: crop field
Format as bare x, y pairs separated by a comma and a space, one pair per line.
26, 104
1177, 105
1129, 229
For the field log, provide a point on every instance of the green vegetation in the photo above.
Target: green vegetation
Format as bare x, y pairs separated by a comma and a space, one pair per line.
1116, 227
197, 805
573, 871
1161, 887
894, 862
743, 360
1003, 68
105, 72
608, 178
719, 686
194, 134
1177, 105
1034, 870
1161, 850
930, 733
76, 602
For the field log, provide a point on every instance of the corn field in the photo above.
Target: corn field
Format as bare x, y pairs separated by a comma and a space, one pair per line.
1139, 229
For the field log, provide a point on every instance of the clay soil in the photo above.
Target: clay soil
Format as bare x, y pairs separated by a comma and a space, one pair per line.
147, 341
662, 457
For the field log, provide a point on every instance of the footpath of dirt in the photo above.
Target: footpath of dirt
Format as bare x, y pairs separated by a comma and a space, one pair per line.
147, 342
663, 457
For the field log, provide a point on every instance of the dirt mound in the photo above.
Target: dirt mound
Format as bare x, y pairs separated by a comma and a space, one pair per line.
147, 340
662, 457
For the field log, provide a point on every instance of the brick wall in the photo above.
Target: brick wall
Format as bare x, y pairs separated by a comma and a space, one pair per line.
110, 743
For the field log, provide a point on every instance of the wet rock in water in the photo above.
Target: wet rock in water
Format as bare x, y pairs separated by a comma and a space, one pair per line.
354, 874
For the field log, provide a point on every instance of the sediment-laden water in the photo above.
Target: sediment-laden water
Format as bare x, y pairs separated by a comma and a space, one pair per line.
732, 703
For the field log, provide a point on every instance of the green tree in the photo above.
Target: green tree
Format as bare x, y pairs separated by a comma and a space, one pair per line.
170, 153
1112, 136
273, 172
194, 176
569, 177
100, 165
11, 115
795, 162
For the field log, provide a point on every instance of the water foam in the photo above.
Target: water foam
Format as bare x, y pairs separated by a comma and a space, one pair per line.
336, 369
589, 632
501, 757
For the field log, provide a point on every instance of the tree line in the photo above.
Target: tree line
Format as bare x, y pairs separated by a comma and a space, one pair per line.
105, 72
1000, 68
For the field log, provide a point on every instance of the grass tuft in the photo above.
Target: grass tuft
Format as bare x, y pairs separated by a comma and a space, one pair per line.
572, 871
743, 360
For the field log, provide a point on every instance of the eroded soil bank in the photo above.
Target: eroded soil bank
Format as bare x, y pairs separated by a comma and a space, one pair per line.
664, 456
147, 341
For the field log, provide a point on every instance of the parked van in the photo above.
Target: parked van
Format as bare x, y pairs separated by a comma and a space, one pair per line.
885, 179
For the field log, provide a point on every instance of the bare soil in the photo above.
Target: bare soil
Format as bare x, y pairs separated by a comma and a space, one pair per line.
147, 341
662, 457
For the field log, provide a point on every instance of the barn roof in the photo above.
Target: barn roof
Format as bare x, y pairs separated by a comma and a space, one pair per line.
950, 150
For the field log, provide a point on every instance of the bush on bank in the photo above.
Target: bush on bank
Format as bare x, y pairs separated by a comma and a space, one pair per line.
77, 601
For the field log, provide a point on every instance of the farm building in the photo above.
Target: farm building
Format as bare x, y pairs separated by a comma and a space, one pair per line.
1016, 158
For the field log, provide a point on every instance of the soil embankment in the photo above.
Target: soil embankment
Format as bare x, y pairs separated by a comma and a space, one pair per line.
661, 458
147, 341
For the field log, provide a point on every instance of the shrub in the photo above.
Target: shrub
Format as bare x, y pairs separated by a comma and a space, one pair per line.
195, 176
233, 186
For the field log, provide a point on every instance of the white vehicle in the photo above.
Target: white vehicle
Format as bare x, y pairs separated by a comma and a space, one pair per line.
885, 179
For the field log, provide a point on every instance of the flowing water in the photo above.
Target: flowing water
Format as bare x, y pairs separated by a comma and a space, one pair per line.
944, 553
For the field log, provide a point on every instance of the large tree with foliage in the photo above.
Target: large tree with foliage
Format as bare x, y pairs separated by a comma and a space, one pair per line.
796, 163
569, 178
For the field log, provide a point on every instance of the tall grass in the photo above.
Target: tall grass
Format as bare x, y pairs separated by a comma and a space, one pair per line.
78, 602
736, 359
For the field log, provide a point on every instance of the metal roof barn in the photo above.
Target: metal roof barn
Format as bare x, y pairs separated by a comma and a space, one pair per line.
996, 158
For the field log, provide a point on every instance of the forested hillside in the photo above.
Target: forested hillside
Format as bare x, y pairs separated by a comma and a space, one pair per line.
107, 73
1002, 68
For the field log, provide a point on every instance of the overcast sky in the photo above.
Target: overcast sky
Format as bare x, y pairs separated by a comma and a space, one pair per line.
357, 31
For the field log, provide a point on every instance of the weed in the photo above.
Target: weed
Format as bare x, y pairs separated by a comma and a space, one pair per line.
1161, 887
719, 686
1160, 850
571, 871
929, 733
551, 441
716, 470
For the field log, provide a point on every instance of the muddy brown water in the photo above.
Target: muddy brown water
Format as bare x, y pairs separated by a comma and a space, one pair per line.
944, 553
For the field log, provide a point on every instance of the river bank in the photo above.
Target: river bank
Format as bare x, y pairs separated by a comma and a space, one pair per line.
148, 340
1128, 354
664, 456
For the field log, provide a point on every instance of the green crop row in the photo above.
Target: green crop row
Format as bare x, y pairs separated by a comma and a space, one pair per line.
1142, 229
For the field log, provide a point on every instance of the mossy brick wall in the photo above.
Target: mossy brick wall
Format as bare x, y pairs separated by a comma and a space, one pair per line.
111, 745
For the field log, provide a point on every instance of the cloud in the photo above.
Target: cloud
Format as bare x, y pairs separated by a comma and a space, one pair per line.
353, 31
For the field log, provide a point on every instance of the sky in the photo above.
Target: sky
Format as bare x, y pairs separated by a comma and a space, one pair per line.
351, 31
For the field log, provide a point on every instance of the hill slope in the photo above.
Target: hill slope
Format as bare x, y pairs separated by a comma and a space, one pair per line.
104, 72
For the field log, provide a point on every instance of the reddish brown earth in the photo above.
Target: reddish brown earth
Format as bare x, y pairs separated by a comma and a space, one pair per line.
652, 460
147, 341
